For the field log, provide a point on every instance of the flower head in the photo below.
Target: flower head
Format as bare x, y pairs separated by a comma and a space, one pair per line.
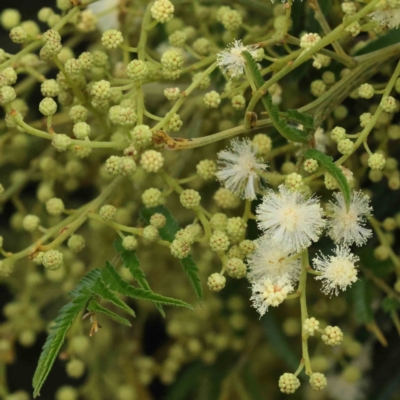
338, 271
238, 169
388, 18
347, 227
270, 292
291, 221
269, 261
231, 59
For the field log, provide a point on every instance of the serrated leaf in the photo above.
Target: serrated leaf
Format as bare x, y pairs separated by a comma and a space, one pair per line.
100, 289
168, 233
62, 323
331, 168
305, 119
288, 132
116, 283
132, 262
94, 306
361, 302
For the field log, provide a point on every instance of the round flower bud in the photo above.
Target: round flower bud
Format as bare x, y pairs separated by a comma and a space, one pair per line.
67, 393
236, 229
247, 247
382, 252
180, 248
318, 381
127, 166
7, 94
81, 130
238, 102
236, 268
150, 233
86, 60
366, 91
172, 93
10, 76
365, 119
55, 206
231, 20
376, 161
226, 199
354, 29
328, 77
107, 212
52, 260
175, 123
152, 198
332, 336
177, 39
218, 221
216, 282
294, 182
262, 143
338, 133
61, 142
50, 88
129, 243
308, 40
158, 220
388, 104
288, 383
310, 165
318, 88
101, 90
10, 18
172, 60
18, 35
206, 169
219, 241
113, 165
48, 106
76, 243
190, 198
345, 146
349, 8
141, 136
212, 99
203, 83
310, 326
111, 39
75, 368
73, 67
137, 70
151, 161
162, 10
30, 223
125, 116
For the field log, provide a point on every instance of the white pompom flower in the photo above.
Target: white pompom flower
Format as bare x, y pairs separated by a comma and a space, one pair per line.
269, 261
270, 293
238, 167
291, 221
388, 17
347, 227
338, 271
231, 59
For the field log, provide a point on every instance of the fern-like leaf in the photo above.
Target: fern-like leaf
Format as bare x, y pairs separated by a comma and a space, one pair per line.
116, 283
94, 306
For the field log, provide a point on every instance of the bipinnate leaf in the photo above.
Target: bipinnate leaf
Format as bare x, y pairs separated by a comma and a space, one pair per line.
331, 168
94, 306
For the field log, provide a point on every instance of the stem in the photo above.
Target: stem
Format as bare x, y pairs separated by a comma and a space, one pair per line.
303, 309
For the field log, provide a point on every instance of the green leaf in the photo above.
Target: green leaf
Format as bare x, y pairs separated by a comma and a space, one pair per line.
54, 341
168, 233
331, 168
361, 302
100, 289
116, 283
94, 306
288, 132
389, 305
132, 262
305, 119
390, 38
